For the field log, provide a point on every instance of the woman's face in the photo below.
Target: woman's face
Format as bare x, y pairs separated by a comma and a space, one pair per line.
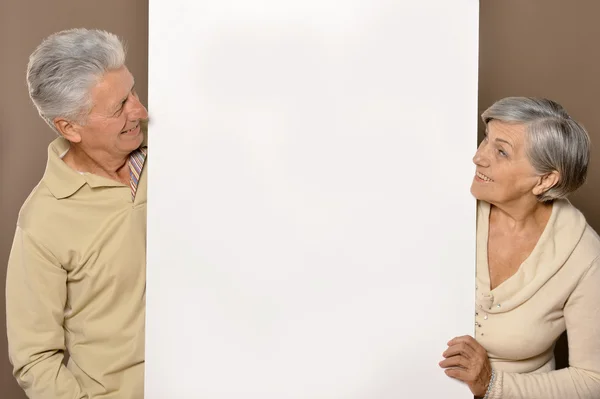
504, 173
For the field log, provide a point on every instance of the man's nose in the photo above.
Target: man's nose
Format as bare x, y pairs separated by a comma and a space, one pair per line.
138, 111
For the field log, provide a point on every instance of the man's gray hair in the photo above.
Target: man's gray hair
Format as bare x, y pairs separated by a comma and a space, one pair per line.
555, 142
65, 66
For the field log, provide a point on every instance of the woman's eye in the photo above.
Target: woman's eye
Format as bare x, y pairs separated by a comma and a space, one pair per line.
502, 153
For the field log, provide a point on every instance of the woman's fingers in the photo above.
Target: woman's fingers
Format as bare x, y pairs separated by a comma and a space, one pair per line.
460, 348
470, 342
459, 374
466, 360
462, 353
455, 361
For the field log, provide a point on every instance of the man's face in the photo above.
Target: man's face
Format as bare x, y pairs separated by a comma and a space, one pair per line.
112, 127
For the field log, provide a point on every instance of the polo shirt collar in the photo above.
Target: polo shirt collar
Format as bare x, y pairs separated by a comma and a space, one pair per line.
62, 180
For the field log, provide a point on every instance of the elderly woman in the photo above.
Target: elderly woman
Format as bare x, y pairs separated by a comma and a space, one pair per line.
538, 267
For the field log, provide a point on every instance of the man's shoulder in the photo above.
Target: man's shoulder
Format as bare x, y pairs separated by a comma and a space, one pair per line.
39, 206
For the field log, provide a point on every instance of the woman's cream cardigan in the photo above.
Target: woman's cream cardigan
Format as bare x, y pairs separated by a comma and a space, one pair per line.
556, 288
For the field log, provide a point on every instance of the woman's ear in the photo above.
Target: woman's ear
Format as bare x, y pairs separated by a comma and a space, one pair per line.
546, 182
67, 129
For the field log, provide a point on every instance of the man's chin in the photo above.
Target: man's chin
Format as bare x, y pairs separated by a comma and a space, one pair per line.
132, 143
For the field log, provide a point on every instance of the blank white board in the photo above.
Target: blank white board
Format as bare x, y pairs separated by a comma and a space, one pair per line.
311, 234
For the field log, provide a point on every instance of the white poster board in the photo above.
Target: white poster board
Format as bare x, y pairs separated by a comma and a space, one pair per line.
311, 234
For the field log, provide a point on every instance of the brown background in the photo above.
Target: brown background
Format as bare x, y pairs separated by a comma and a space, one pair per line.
528, 47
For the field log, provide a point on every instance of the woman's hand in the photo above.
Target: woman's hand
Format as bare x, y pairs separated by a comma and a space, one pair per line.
467, 361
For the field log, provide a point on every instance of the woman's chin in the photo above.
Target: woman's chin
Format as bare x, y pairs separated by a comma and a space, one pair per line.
476, 192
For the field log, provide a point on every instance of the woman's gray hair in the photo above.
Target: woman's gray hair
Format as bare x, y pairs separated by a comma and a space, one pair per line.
555, 142
65, 66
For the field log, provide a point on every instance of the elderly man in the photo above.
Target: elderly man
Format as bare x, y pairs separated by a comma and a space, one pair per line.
76, 273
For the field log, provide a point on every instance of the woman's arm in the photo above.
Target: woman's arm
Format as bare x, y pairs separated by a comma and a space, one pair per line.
581, 380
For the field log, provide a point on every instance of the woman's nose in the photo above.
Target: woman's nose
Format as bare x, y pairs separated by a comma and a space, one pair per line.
480, 159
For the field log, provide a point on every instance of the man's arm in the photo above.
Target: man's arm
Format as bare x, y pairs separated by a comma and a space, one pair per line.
36, 293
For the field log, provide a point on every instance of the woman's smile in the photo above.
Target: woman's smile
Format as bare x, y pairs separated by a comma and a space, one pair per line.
482, 178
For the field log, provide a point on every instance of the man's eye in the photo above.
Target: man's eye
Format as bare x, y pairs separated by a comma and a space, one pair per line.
502, 153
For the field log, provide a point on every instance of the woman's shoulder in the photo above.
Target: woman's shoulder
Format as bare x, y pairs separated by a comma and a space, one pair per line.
588, 246
590, 242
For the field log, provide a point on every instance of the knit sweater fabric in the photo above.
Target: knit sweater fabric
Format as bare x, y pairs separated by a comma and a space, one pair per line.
556, 288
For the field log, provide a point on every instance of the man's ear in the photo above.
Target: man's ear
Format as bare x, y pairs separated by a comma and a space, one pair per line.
546, 182
67, 129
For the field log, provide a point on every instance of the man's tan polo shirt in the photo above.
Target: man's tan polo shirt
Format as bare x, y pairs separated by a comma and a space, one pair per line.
76, 282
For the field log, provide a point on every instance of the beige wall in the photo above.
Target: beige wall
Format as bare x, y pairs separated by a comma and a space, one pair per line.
23, 135
528, 47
